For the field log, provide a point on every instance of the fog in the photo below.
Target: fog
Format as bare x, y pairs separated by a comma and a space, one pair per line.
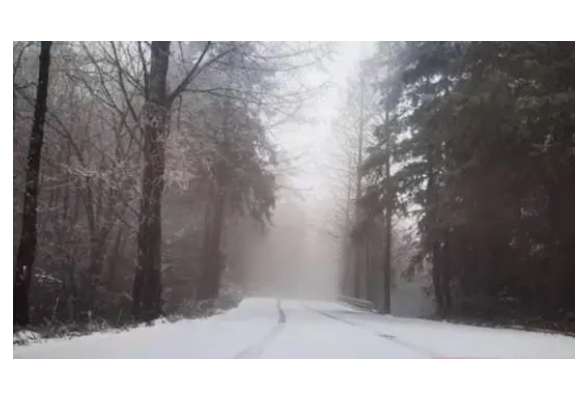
295, 258
248, 147
299, 258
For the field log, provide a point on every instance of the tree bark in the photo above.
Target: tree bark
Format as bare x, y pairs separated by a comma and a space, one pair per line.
210, 280
27, 247
434, 233
386, 307
147, 285
209, 283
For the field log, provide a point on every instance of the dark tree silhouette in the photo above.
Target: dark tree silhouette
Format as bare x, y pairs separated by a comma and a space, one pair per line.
25, 257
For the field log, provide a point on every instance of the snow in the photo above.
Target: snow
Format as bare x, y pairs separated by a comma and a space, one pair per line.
220, 336
267, 328
448, 340
308, 334
25, 336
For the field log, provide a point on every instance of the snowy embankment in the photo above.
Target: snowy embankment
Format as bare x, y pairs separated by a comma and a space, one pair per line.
218, 336
449, 340
266, 328
25, 337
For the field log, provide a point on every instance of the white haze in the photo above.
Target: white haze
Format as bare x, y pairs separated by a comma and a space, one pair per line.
298, 259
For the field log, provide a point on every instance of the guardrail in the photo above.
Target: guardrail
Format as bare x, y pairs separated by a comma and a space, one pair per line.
358, 303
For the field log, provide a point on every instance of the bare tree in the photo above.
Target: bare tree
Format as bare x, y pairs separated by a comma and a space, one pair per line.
25, 257
91, 198
350, 128
147, 287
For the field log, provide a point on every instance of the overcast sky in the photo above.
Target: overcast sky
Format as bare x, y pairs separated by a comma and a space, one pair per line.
310, 141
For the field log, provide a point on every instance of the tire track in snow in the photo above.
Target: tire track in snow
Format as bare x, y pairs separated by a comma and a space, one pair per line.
418, 349
255, 350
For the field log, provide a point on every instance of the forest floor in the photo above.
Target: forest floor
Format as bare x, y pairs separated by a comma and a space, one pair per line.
529, 324
57, 330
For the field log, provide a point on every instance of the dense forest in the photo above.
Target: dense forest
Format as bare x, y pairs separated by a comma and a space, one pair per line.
141, 170
472, 144
144, 171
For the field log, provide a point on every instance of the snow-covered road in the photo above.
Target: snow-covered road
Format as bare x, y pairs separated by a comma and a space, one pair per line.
270, 328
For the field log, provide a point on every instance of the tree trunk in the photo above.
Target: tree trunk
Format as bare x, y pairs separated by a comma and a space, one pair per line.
433, 231
91, 276
357, 269
210, 280
386, 309
114, 258
27, 247
438, 280
147, 285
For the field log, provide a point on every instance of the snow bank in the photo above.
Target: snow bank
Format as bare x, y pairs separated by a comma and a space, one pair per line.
220, 336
